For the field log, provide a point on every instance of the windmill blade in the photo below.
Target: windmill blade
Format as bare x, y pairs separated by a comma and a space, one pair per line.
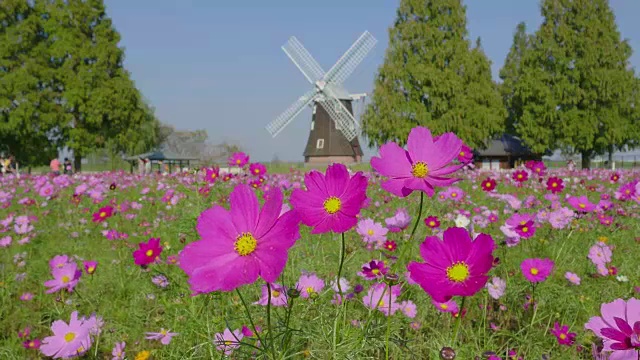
303, 60
340, 114
277, 125
351, 59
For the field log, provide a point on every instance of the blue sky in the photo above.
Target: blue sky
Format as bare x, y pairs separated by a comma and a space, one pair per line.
217, 64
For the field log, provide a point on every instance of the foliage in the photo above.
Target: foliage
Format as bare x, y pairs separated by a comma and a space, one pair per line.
63, 82
575, 87
431, 76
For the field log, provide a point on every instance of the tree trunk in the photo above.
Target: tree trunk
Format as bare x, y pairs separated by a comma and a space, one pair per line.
77, 162
611, 164
586, 159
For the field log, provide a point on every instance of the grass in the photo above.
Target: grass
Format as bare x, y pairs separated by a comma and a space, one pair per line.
130, 304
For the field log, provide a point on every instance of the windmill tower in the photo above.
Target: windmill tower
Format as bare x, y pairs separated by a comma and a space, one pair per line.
334, 129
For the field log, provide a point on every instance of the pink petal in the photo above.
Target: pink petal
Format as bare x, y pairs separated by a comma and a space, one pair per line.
445, 149
393, 161
201, 253
420, 145
215, 224
244, 208
633, 311
336, 178
270, 212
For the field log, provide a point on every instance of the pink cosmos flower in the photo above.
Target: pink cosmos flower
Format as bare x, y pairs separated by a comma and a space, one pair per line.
432, 222
619, 328
211, 175
331, 202
573, 278
228, 341
118, 351
238, 159
65, 277
278, 296
563, 335
465, 155
488, 184
373, 269
450, 306
520, 176
90, 266
454, 266
600, 254
536, 270
68, 340
371, 231
378, 298
496, 287
309, 285
422, 167
399, 221
241, 244
408, 308
581, 203
148, 252
257, 169
103, 214
164, 336
555, 185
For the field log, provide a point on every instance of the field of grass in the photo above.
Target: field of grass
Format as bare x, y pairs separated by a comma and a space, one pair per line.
39, 224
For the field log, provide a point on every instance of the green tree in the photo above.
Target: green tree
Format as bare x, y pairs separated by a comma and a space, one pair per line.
511, 72
101, 101
431, 76
30, 118
576, 85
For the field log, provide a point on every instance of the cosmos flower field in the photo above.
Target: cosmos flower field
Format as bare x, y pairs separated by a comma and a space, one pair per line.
436, 259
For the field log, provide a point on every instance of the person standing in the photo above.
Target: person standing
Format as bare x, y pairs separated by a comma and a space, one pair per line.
55, 166
67, 166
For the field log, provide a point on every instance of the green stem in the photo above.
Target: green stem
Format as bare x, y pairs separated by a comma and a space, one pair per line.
415, 225
246, 308
340, 295
533, 302
458, 321
388, 325
287, 336
271, 344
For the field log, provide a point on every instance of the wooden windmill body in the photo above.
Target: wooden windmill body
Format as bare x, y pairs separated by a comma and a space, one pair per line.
333, 136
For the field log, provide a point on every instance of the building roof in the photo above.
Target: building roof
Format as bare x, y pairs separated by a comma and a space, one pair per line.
159, 156
504, 146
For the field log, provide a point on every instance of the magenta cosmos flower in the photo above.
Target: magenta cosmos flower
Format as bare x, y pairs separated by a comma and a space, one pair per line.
619, 328
454, 266
68, 340
103, 214
581, 203
332, 201
563, 335
148, 252
239, 159
211, 175
257, 169
536, 270
422, 167
240, 244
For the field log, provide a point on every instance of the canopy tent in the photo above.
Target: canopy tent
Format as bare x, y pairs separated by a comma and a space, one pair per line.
161, 157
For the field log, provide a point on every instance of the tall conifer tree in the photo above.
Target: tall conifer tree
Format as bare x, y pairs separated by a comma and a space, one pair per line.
576, 87
431, 76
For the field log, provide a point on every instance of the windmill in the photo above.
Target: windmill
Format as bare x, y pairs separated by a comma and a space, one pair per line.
334, 129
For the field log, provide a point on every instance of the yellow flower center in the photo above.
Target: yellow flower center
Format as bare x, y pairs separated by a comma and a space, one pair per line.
582, 206
534, 271
381, 303
65, 279
454, 194
488, 184
310, 290
375, 271
91, 269
149, 252
238, 161
444, 306
245, 244
458, 272
522, 222
563, 336
419, 170
519, 176
461, 153
228, 342
332, 205
68, 337
370, 232
163, 332
32, 344
213, 175
103, 214
275, 293
432, 223
554, 184
257, 171
525, 229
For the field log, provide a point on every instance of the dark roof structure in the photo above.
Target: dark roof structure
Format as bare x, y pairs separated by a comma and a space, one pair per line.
160, 156
506, 145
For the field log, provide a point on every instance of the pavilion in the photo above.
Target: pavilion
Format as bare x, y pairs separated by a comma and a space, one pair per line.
160, 158
505, 152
